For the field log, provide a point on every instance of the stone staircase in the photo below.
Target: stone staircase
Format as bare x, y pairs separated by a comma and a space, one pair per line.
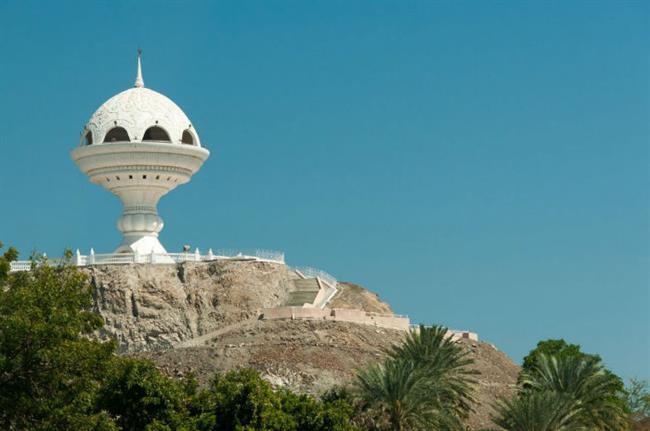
305, 291
309, 291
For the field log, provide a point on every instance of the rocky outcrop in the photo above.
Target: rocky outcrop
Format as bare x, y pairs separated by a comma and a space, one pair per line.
353, 296
154, 307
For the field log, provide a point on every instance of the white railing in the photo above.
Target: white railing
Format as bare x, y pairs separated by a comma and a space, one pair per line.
259, 254
158, 258
21, 265
313, 272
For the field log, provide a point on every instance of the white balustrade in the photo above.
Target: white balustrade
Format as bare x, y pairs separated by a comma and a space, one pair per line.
310, 272
21, 265
156, 258
93, 258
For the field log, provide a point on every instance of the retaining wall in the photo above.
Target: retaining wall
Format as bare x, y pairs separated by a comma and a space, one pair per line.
337, 315
458, 335
353, 316
455, 334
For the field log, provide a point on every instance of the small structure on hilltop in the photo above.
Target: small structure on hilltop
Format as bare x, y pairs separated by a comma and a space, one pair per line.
139, 145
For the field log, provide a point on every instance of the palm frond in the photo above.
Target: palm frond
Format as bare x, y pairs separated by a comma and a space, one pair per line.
538, 411
423, 384
587, 383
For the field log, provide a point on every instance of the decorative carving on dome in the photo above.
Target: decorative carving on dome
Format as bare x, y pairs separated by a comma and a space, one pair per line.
137, 109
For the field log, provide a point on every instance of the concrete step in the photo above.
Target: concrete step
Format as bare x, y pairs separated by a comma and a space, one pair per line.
293, 275
298, 299
304, 291
306, 285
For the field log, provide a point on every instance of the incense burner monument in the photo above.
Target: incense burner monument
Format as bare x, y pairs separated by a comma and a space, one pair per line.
139, 145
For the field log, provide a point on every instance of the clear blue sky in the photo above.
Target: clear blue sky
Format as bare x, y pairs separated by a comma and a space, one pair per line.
484, 165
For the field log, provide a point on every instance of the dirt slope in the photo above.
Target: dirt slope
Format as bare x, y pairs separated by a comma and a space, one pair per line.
354, 296
312, 356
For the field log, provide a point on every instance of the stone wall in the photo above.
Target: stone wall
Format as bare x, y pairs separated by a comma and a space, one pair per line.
361, 317
338, 315
463, 335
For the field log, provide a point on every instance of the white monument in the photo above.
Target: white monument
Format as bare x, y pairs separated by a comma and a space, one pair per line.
139, 145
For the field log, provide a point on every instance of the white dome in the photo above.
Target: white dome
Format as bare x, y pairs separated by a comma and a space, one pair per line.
136, 111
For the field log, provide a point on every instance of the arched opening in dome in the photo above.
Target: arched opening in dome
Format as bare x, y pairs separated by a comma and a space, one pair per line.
117, 134
187, 138
88, 138
156, 133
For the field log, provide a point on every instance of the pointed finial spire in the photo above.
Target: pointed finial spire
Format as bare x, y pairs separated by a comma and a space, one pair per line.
139, 82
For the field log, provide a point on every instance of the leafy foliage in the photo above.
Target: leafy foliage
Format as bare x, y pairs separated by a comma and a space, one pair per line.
242, 400
5, 262
537, 411
562, 350
48, 370
566, 393
138, 395
637, 398
423, 384
556, 348
594, 390
444, 361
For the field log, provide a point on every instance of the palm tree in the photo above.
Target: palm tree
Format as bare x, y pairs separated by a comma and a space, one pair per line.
446, 362
565, 394
594, 390
422, 385
538, 411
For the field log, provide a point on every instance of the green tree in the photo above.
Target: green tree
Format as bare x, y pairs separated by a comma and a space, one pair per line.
424, 383
355, 408
556, 348
48, 370
444, 361
10, 255
140, 397
637, 398
317, 415
241, 400
538, 411
595, 392
560, 350
566, 393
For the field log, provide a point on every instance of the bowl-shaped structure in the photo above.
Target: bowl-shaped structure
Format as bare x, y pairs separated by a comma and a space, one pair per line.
139, 173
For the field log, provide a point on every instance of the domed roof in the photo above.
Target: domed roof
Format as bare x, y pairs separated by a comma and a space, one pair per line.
139, 114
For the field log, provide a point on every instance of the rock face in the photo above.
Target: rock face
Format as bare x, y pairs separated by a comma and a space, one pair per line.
354, 296
154, 310
153, 307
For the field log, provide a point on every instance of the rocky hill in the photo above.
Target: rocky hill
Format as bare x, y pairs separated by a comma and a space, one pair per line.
154, 307
201, 318
354, 296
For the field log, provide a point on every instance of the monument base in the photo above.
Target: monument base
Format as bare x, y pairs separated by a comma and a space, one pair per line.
143, 245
